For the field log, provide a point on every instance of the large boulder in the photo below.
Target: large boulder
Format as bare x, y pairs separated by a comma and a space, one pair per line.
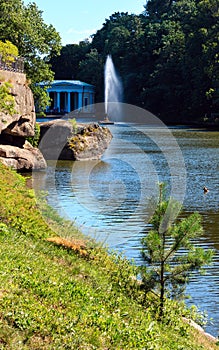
24, 159
62, 139
22, 123
89, 143
15, 151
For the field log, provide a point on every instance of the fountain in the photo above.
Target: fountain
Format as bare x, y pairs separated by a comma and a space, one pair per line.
113, 92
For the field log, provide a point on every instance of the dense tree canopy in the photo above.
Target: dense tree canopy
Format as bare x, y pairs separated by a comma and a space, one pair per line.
36, 41
168, 58
66, 65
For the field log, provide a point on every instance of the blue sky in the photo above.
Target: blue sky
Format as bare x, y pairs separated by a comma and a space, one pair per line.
76, 20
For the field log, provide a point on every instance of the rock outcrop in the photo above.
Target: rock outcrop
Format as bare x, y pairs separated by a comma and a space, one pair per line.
15, 151
61, 139
23, 159
22, 123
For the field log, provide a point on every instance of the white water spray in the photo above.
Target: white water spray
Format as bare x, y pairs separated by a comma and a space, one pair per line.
113, 89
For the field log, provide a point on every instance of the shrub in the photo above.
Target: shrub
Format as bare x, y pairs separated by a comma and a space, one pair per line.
34, 140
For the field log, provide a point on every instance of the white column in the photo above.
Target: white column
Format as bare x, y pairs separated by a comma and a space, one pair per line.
69, 102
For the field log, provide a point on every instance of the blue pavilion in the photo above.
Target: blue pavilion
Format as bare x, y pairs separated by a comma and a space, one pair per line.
70, 95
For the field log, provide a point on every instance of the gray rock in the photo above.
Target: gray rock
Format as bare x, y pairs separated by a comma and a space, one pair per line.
59, 140
22, 123
15, 152
23, 159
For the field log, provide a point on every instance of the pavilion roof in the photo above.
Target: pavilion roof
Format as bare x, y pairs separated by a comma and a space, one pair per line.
65, 82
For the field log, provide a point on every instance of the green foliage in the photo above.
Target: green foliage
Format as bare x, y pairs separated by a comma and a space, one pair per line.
167, 58
74, 125
4, 230
7, 101
92, 62
66, 65
41, 97
36, 41
34, 140
170, 252
18, 207
8, 51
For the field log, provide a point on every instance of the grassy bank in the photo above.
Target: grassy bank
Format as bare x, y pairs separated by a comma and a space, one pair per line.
69, 293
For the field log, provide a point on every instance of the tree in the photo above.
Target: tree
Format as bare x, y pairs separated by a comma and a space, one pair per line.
66, 66
91, 70
167, 58
184, 81
8, 51
164, 85
122, 37
36, 41
158, 9
170, 252
207, 28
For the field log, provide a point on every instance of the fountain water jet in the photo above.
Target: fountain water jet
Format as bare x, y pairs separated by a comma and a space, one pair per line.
113, 90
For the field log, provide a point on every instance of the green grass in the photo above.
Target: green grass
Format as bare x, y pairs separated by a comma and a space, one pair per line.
54, 297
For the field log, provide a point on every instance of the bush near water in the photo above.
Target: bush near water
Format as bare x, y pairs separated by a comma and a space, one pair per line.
60, 290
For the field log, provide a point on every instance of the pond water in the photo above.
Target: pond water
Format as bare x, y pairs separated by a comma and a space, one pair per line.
110, 199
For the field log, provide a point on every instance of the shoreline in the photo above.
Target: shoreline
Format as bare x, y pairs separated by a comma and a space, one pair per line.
186, 123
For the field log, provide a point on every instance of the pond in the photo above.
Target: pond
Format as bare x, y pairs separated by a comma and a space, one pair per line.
110, 199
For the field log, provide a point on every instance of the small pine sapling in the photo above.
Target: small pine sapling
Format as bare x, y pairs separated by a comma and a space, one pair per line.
170, 252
